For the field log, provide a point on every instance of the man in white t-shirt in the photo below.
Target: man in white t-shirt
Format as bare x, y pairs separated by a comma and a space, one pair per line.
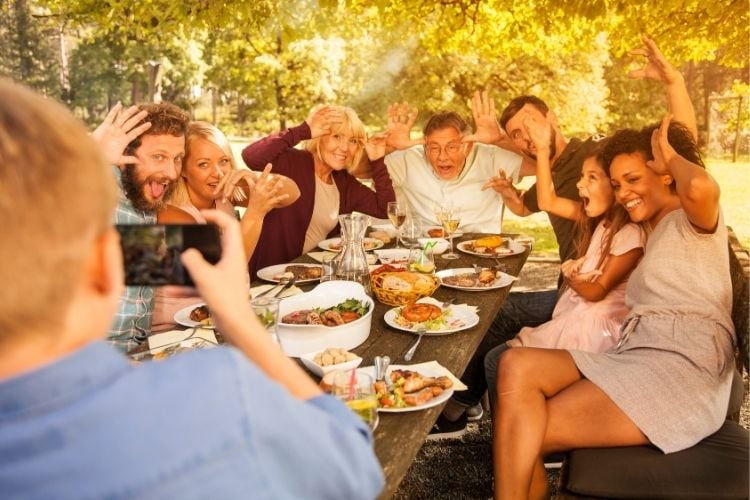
447, 166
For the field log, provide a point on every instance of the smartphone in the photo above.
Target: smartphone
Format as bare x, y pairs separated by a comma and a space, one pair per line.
151, 252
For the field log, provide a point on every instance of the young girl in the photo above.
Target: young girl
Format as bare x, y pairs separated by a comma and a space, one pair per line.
590, 311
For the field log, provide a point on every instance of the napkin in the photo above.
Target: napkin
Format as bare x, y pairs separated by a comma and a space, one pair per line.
292, 290
435, 367
430, 300
160, 341
320, 256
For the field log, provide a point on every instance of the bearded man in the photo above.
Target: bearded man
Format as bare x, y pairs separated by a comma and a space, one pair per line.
146, 145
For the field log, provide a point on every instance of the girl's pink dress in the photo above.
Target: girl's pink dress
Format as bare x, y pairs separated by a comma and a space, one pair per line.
578, 323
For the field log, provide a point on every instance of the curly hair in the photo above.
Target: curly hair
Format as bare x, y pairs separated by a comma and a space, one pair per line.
629, 141
165, 118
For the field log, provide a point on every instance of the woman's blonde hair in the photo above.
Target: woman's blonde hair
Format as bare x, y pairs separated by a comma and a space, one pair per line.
351, 125
199, 130
57, 196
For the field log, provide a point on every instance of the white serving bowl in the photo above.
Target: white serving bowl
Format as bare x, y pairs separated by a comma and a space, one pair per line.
441, 244
307, 360
297, 340
392, 255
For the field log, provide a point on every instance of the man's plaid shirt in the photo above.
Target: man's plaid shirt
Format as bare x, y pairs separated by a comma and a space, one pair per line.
133, 319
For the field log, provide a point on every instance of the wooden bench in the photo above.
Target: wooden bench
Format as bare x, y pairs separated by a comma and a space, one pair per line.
716, 468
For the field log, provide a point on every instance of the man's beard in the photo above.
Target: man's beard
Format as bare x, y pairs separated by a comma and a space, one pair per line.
134, 190
552, 146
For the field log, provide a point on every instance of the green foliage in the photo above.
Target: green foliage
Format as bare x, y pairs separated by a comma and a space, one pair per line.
28, 53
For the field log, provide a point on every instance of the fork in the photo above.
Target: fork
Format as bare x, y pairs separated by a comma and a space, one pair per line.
284, 282
410, 353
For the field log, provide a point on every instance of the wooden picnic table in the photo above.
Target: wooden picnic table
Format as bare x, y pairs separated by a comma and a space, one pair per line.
399, 436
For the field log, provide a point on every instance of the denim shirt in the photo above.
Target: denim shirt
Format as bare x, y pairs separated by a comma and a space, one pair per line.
132, 322
205, 424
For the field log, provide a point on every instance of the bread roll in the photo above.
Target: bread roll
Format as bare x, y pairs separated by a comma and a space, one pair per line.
489, 241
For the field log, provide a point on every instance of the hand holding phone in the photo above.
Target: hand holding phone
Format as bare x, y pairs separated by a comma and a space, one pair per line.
152, 252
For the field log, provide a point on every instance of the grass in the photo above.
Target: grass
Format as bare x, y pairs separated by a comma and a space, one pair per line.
733, 178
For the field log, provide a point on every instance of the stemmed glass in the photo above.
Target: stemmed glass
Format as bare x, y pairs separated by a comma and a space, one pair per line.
450, 220
397, 216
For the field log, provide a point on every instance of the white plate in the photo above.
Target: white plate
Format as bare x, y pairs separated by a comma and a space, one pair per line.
427, 372
182, 317
501, 281
268, 273
456, 233
369, 243
464, 313
513, 249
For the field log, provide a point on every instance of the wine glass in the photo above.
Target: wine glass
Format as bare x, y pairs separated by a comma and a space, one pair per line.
355, 389
450, 220
397, 216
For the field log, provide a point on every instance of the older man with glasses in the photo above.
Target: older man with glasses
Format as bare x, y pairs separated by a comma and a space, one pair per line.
448, 166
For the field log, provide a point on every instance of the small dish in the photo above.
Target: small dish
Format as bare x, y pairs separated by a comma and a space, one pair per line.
307, 360
392, 255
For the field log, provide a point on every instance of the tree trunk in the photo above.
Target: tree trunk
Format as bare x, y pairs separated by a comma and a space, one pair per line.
64, 72
280, 102
737, 130
155, 72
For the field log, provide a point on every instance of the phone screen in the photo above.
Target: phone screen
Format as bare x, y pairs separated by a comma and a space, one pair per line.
151, 252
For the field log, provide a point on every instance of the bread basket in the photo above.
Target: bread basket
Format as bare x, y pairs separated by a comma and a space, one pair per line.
400, 288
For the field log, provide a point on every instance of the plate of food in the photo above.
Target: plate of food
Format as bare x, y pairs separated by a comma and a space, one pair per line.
494, 246
303, 273
194, 315
439, 232
428, 312
411, 390
334, 244
465, 278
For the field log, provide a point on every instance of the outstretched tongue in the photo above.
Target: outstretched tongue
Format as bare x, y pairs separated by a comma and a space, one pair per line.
157, 189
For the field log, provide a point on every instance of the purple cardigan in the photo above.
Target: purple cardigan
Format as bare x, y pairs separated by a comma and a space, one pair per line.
283, 235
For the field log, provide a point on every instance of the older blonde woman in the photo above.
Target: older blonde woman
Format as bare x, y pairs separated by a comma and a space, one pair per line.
335, 143
210, 179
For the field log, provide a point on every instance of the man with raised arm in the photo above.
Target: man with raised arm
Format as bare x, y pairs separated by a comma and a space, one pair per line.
145, 144
447, 165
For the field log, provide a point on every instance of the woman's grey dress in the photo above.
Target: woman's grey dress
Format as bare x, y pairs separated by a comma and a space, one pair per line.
672, 372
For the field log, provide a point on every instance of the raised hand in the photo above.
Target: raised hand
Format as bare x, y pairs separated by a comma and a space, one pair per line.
661, 148
487, 129
401, 119
118, 129
268, 193
227, 188
501, 184
539, 133
375, 146
322, 119
657, 67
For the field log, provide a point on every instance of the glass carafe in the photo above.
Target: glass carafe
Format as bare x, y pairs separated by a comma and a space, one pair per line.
351, 264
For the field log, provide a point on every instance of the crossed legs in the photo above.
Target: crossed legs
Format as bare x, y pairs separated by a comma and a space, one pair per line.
545, 405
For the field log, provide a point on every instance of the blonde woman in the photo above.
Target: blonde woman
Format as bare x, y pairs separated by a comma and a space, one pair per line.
335, 143
210, 179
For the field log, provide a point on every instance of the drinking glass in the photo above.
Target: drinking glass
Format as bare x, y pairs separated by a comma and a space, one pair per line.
397, 216
355, 389
411, 231
449, 218
267, 311
328, 272
421, 260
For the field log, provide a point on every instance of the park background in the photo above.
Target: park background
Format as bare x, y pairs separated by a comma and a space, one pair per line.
254, 67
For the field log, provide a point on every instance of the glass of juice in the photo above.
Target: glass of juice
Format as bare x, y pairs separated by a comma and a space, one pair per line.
355, 389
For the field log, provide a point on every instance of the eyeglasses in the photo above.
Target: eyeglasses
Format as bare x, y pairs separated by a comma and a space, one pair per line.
450, 149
